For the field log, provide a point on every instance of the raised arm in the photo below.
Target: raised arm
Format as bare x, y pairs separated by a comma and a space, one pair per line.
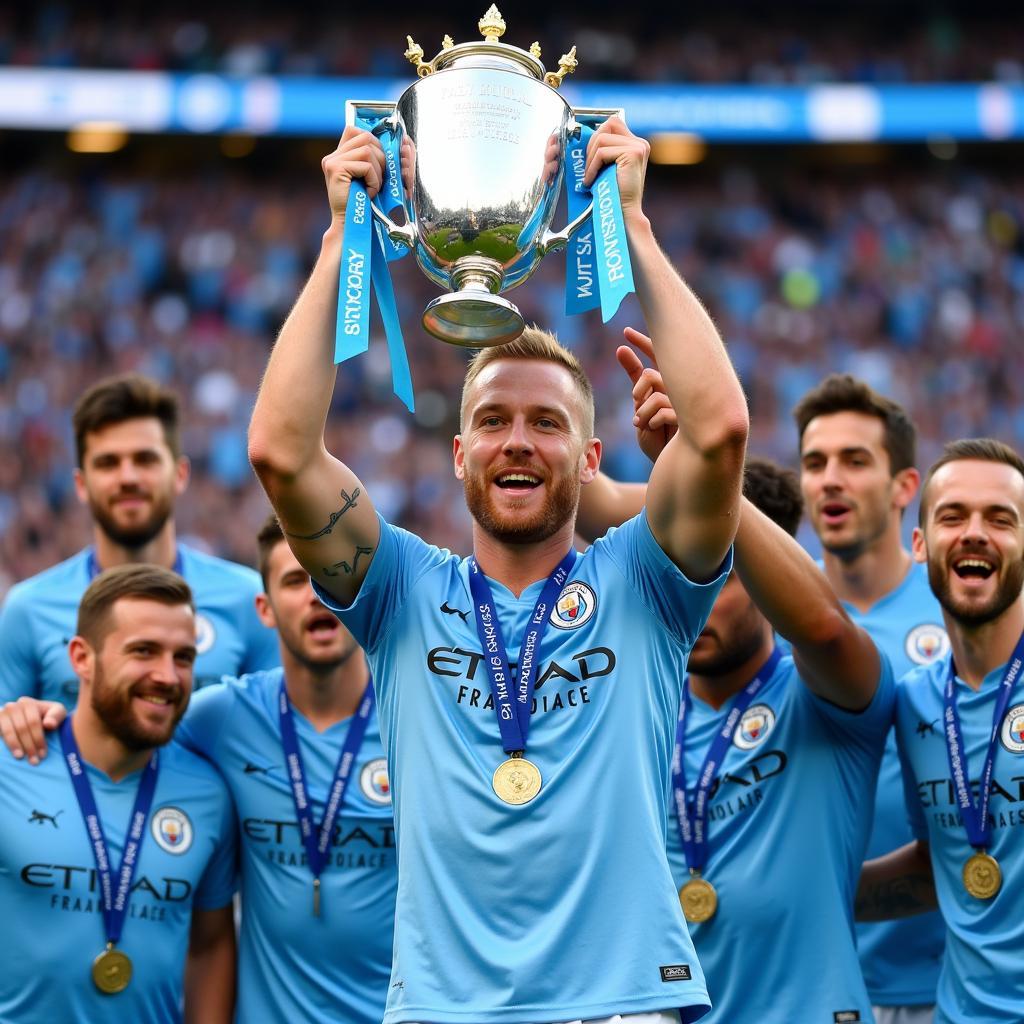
325, 513
836, 658
694, 491
900, 884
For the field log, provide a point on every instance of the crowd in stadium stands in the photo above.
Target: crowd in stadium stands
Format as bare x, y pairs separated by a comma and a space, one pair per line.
796, 46
915, 285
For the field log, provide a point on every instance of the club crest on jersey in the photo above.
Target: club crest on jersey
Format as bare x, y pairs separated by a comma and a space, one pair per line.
206, 635
374, 781
925, 643
1012, 732
575, 606
172, 830
755, 724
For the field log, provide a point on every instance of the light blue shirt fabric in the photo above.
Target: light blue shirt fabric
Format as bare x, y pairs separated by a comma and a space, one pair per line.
50, 901
982, 978
564, 907
901, 959
293, 966
39, 615
787, 827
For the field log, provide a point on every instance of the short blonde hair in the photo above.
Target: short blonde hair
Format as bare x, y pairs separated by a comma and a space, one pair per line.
534, 343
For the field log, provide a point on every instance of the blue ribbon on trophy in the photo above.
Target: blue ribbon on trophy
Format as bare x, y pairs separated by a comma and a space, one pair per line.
598, 270
364, 260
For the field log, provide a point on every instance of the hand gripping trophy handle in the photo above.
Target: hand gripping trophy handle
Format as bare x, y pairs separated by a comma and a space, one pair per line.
588, 117
383, 119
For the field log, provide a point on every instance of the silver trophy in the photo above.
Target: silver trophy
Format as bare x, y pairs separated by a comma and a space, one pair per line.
489, 135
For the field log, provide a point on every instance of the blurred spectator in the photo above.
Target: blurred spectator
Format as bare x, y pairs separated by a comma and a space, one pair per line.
914, 281
794, 42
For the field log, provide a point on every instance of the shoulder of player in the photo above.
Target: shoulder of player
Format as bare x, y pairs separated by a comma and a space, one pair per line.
205, 572
50, 583
920, 685
192, 775
252, 689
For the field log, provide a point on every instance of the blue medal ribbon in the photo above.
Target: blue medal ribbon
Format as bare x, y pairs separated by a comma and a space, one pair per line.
92, 566
317, 840
600, 245
979, 832
692, 812
115, 900
513, 706
364, 260
581, 287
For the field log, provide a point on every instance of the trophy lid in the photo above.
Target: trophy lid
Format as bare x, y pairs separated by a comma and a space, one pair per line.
490, 52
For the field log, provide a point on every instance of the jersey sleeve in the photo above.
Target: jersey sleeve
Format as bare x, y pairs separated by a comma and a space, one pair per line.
911, 797
400, 560
219, 883
208, 711
868, 728
19, 673
679, 604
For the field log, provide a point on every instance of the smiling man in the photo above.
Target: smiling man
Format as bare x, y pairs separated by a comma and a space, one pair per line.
117, 867
530, 843
130, 473
960, 728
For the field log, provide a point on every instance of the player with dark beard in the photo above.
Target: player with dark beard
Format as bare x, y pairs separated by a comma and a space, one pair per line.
130, 473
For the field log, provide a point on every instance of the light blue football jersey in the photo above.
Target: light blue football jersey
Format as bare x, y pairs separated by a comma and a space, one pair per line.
982, 978
293, 966
39, 615
563, 907
788, 823
50, 902
901, 959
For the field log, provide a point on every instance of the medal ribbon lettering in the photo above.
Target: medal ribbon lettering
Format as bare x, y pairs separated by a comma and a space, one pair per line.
602, 238
317, 840
513, 707
115, 901
692, 812
975, 816
364, 261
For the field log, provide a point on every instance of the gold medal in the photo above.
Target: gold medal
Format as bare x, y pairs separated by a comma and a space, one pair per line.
982, 877
516, 781
111, 971
698, 899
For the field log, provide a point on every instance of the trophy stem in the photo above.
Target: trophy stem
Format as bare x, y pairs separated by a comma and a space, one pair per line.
474, 316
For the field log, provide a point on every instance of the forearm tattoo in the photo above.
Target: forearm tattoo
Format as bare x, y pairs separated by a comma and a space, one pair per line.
349, 570
350, 502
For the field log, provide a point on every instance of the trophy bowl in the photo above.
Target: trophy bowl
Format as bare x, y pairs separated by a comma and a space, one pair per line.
486, 133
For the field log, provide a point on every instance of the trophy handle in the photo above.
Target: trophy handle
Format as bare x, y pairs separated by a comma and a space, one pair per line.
384, 118
591, 117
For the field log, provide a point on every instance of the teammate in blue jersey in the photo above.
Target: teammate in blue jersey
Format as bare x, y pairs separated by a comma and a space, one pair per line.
960, 729
857, 455
333, 964
130, 471
297, 961
165, 856
775, 761
530, 809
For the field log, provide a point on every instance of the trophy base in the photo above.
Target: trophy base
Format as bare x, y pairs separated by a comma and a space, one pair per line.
473, 318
